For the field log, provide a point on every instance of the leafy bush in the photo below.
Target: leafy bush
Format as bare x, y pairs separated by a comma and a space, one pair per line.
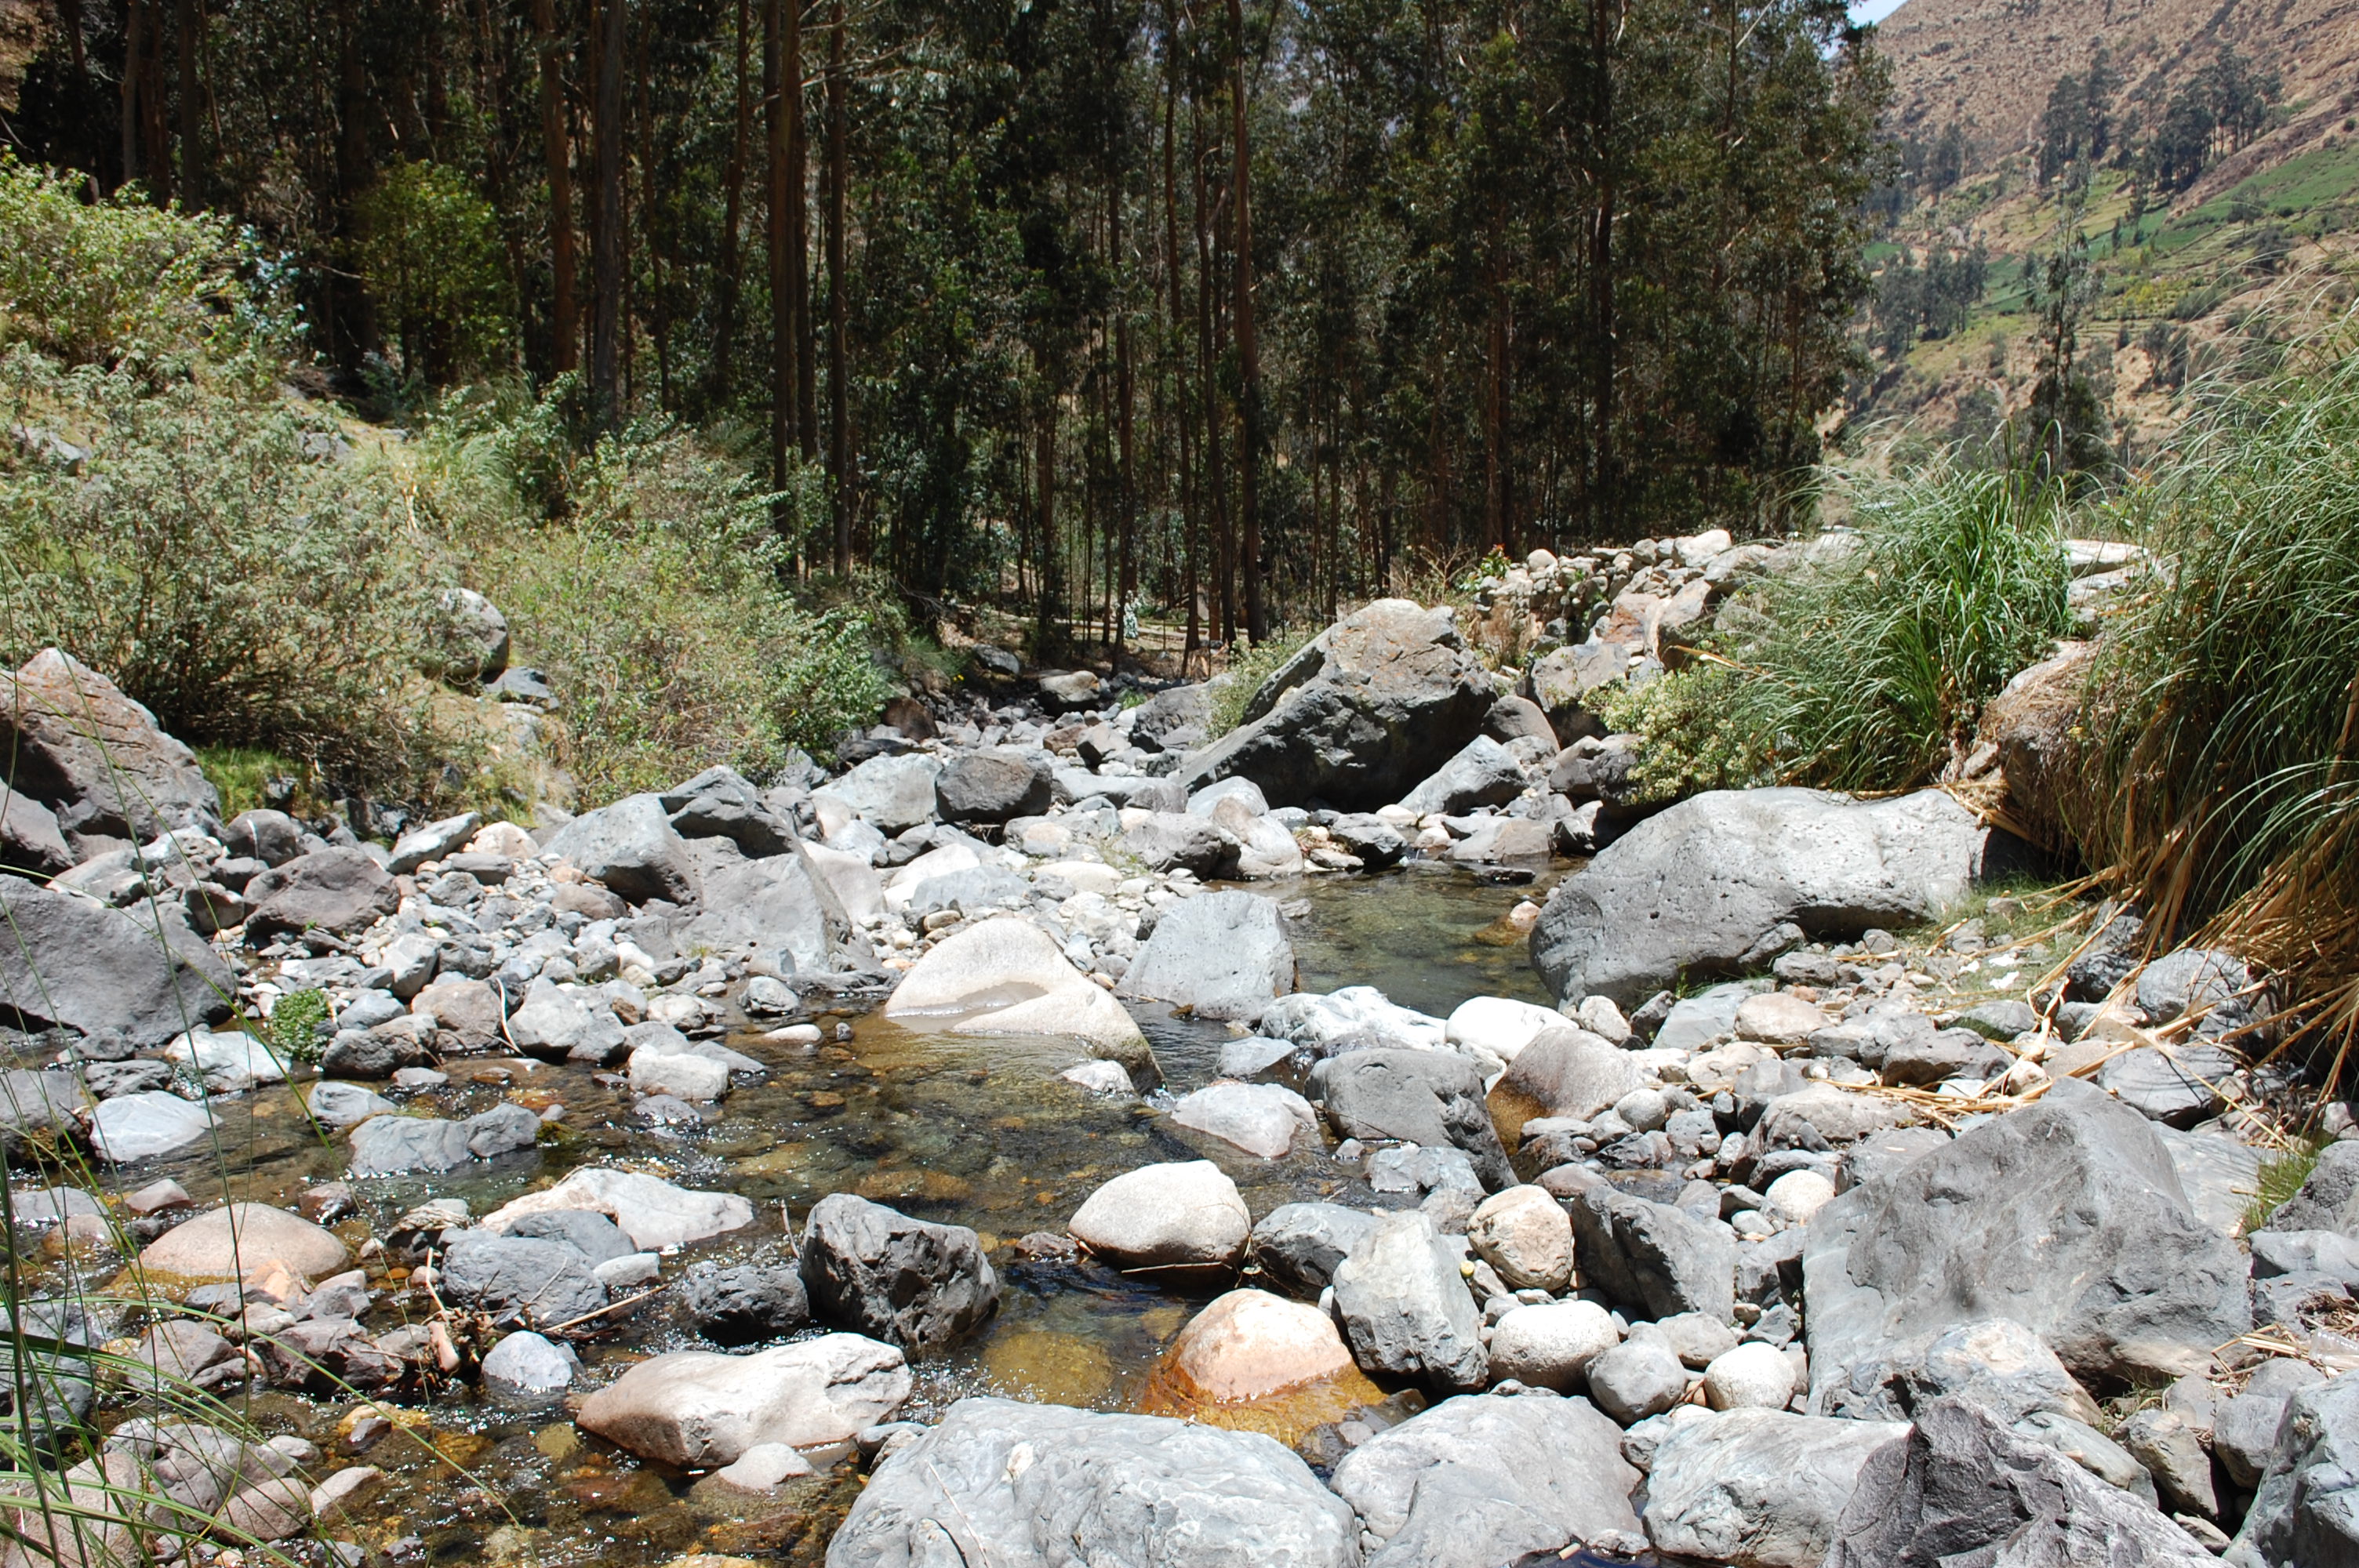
430, 250
1691, 745
1251, 664
1864, 669
248, 595
116, 280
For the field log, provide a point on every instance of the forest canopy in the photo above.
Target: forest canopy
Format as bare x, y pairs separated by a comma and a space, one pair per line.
1091, 303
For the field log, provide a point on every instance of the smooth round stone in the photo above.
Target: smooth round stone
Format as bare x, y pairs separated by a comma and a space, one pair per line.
1250, 1344
1551, 1345
1798, 1195
529, 1363
764, 1466
1183, 1215
1751, 1376
1524, 1234
1644, 1110
231, 1242
1635, 1379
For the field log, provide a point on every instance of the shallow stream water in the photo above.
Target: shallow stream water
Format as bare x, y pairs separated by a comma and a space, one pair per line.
971, 1132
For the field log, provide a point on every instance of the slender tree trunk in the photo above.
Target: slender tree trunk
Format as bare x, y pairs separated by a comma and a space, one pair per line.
651, 231
1605, 492
438, 93
1174, 338
1249, 409
724, 348
782, 87
135, 49
154, 132
1125, 434
356, 324
69, 24
839, 400
565, 315
1495, 408
1216, 484
799, 289
1044, 462
606, 238
188, 25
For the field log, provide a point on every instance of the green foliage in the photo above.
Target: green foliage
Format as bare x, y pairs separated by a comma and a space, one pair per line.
1863, 669
293, 1029
430, 252
248, 595
113, 281
243, 775
1690, 744
1252, 664
2280, 1178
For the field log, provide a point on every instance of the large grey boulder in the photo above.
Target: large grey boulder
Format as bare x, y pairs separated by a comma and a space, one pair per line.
891, 794
1963, 1488
1174, 1218
1297, 1246
699, 1409
1173, 720
93, 758
994, 786
1224, 955
632, 847
335, 890
2306, 1514
1480, 1480
1268, 1120
1560, 1072
740, 1305
1371, 706
781, 902
1689, 891
33, 1102
1024, 1486
2066, 1217
1653, 1258
520, 1277
1181, 841
147, 1123
1758, 1488
470, 638
31, 842
1430, 1097
1484, 773
72, 962
721, 802
1406, 1309
906, 1282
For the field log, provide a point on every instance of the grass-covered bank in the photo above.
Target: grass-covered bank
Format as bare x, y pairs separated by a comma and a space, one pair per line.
267, 575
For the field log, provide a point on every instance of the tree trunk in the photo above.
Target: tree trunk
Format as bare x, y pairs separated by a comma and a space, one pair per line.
839, 401
651, 231
724, 348
798, 291
1189, 536
606, 238
782, 72
565, 323
188, 23
1249, 409
1605, 490
134, 47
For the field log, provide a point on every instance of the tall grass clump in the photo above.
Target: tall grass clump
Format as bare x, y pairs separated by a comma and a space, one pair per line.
1250, 668
1865, 667
2221, 777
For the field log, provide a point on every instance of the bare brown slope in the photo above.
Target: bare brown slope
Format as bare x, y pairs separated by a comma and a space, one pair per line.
1990, 64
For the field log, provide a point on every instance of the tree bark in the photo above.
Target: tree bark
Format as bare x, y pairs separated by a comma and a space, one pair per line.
1249, 410
606, 238
798, 247
565, 315
838, 402
188, 23
135, 48
782, 87
724, 348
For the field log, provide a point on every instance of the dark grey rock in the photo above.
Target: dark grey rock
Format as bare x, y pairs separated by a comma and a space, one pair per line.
1173, 720
69, 962
392, 1145
343, 891
780, 902
2326, 1193
1370, 838
1174, 841
1406, 1310
2173, 1086
2306, 1514
1297, 1246
1023, 1486
1758, 1487
907, 1281
746, 1302
503, 1130
2191, 978
1963, 1488
1484, 773
1637, 1378
367, 1053
72, 740
721, 804
1653, 1258
1223, 955
516, 1277
591, 1234
993, 786
632, 848
1433, 1098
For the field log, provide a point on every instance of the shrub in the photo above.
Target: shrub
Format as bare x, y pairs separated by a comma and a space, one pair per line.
1864, 669
1249, 666
116, 280
1691, 745
431, 250
248, 595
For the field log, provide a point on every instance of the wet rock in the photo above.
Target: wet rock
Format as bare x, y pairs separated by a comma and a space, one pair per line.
1480, 1480
503, 1130
1654, 1257
1430, 1097
1264, 1119
1760, 1488
95, 759
374, 1053
595, 1235
963, 985
1637, 1378
339, 1105
682, 1074
632, 847
1178, 1217
1553, 1345
227, 1063
1250, 1345
907, 1281
389, 1145
653, 1214
1223, 955
749, 1302
1374, 703
1405, 1308
1962, 1487
1297, 1246
143, 1125
73, 963
39, 1102
697, 1409
336, 889
179, 1353
1524, 1234
524, 1362
1024, 1486
993, 786
2065, 1216
228, 1242
1562, 1072
516, 1277
1690, 892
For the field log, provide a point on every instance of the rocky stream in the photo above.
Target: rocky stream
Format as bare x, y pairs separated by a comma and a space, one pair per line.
1058, 1136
